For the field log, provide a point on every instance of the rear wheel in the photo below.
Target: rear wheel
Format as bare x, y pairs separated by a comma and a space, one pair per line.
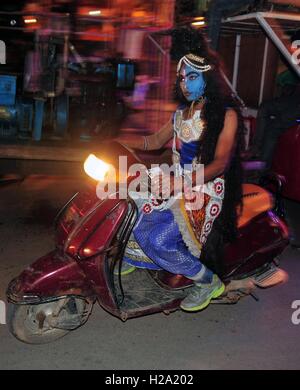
47, 322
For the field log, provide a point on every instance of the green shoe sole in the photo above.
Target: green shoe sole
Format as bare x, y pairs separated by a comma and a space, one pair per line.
203, 305
126, 272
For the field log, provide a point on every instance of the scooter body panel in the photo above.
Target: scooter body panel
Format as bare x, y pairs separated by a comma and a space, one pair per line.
79, 265
87, 225
51, 276
252, 250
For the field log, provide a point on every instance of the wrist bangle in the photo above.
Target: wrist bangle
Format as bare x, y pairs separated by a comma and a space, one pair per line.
145, 143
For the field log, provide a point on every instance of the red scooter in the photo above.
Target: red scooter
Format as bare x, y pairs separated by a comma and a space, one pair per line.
56, 293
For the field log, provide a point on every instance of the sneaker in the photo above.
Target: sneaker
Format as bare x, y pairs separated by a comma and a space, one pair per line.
126, 269
201, 295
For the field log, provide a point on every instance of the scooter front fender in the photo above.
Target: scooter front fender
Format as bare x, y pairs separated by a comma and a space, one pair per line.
51, 276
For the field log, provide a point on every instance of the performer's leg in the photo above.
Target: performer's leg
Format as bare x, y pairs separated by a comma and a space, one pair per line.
160, 239
202, 293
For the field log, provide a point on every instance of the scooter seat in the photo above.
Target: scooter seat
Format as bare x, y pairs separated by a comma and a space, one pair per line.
256, 200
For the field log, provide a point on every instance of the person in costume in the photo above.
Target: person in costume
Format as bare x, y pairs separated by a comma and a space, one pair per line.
206, 129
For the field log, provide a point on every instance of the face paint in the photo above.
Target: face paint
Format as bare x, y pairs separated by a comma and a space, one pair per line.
192, 83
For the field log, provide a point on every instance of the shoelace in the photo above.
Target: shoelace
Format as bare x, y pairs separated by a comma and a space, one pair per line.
196, 292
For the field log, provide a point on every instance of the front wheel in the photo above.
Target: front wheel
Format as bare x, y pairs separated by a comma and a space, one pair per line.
47, 322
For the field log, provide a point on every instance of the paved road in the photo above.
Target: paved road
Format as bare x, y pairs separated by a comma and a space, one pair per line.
249, 335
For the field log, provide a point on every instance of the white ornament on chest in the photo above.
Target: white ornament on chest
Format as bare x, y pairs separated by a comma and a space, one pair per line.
190, 129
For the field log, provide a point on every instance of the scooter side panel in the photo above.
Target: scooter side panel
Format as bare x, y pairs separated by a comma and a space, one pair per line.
95, 270
95, 230
55, 275
100, 230
73, 212
52, 275
88, 240
259, 242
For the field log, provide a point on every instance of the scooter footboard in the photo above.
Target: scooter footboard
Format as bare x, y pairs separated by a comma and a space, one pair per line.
53, 275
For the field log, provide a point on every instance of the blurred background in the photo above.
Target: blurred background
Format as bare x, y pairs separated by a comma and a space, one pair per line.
76, 70
82, 71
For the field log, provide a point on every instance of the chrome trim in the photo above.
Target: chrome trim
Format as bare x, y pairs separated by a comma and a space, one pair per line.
37, 300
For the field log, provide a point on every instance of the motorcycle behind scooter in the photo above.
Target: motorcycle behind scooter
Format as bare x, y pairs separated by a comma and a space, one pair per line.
56, 293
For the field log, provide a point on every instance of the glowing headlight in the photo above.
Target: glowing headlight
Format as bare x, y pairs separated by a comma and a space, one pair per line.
96, 168
30, 20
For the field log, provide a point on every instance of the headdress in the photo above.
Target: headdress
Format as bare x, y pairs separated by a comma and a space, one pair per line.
195, 62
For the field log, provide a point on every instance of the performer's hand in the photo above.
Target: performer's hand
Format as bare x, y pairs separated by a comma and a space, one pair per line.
164, 186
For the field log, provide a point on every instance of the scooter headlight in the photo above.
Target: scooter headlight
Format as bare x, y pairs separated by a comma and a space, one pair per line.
95, 168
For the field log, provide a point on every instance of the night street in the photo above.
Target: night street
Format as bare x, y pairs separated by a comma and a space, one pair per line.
248, 335
170, 131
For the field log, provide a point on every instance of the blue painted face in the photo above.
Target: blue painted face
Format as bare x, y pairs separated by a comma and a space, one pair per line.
192, 83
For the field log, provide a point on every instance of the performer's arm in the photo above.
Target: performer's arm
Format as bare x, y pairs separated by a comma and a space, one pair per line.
150, 142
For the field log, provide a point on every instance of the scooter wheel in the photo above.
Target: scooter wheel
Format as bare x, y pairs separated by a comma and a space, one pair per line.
33, 324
